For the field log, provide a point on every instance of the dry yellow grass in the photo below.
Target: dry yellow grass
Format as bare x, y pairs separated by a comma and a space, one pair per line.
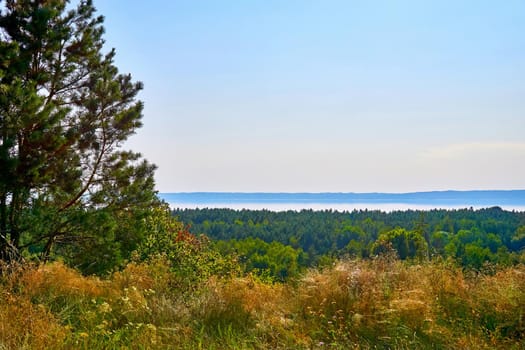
382, 303
23, 323
58, 279
27, 326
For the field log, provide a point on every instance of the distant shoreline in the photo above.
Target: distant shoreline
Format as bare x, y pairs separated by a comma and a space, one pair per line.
506, 199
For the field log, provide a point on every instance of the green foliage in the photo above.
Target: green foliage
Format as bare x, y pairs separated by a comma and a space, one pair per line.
474, 249
272, 260
325, 235
438, 241
407, 244
193, 260
65, 111
351, 239
518, 239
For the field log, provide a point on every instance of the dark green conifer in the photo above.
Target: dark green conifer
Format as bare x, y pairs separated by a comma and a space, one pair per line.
65, 111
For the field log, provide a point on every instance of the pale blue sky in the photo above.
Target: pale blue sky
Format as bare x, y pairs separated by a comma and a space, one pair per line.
335, 96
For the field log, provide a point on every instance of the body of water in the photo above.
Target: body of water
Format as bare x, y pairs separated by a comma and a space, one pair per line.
508, 200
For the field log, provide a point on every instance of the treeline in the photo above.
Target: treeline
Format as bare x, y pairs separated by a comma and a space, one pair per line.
472, 237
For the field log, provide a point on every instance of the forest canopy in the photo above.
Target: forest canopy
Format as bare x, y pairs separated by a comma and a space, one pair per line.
471, 237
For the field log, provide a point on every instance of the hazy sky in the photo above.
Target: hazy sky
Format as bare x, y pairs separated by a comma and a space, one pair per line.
326, 96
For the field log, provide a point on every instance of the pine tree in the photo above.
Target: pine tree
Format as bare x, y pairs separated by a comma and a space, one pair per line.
65, 111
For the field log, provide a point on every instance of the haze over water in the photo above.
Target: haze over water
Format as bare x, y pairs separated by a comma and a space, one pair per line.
507, 200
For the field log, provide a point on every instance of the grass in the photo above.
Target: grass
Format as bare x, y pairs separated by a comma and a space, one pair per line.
374, 304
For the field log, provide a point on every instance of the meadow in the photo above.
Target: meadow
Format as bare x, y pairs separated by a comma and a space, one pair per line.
380, 303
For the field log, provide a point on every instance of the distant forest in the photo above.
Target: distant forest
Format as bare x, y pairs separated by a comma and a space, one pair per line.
281, 243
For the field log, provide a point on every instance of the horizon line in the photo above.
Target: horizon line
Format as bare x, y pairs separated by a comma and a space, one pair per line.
340, 192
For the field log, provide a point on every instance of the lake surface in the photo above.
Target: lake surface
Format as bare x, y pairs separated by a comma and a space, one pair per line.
508, 200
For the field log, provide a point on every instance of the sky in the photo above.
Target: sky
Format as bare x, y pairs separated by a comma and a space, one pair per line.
327, 95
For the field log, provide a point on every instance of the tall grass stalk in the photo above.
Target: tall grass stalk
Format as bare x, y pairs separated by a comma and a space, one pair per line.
354, 304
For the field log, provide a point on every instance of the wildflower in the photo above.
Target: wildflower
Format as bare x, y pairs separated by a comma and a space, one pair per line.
104, 307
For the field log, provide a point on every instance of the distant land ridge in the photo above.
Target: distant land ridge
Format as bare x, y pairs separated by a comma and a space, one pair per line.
468, 198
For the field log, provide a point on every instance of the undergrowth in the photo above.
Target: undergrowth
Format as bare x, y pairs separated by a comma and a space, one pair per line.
381, 303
